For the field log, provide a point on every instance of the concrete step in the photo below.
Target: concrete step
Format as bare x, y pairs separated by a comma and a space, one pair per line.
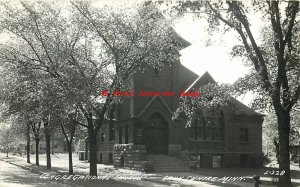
170, 169
164, 163
168, 163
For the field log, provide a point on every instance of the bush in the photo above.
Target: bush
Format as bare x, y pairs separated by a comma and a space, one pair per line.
265, 159
193, 167
295, 158
148, 167
184, 157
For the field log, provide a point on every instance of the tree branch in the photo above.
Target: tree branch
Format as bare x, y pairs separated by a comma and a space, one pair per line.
263, 70
79, 123
295, 8
295, 98
64, 132
91, 21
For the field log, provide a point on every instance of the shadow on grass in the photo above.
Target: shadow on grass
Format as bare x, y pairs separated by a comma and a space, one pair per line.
30, 176
30, 180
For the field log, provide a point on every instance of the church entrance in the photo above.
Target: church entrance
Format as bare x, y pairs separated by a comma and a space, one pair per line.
156, 135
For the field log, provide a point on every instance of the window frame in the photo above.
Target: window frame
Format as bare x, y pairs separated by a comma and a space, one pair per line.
200, 130
244, 137
102, 136
120, 135
215, 161
126, 134
111, 130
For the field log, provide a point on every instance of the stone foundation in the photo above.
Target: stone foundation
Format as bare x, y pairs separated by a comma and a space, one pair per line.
129, 155
254, 160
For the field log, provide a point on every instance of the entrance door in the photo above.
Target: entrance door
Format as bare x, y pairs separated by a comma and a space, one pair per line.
156, 135
156, 142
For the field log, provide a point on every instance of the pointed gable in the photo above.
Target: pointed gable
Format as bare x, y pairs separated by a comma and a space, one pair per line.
239, 108
153, 99
201, 80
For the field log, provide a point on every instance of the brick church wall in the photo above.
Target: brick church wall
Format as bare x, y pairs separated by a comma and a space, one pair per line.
232, 134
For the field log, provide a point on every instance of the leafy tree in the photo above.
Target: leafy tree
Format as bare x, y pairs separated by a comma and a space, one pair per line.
131, 43
7, 140
47, 99
31, 96
8, 95
69, 132
213, 97
21, 99
22, 130
86, 52
274, 61
68, 121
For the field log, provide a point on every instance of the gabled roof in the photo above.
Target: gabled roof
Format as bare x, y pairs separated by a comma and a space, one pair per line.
152, 101
176, 37
201, 80
240, 108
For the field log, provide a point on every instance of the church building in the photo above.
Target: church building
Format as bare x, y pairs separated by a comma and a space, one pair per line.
143, 131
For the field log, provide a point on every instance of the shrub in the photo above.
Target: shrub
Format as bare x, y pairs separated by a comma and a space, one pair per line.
148, 167
184, 157
265, 159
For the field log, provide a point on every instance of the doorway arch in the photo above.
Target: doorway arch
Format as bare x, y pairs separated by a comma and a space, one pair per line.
156, 134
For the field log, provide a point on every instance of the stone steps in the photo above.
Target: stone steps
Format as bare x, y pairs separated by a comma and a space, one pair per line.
164, 163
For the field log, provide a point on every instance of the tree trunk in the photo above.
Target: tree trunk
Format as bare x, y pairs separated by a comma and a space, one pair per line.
48, 143
52, 145
48, 150
7, 150
37, 141
93, 152
283, 118
86, 150
298, 155
28, 143
70, 158
69, 146
276, 144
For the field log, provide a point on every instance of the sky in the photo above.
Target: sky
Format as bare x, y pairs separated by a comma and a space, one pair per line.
214, 58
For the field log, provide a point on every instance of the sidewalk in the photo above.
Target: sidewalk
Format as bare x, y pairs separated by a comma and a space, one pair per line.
178, 179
